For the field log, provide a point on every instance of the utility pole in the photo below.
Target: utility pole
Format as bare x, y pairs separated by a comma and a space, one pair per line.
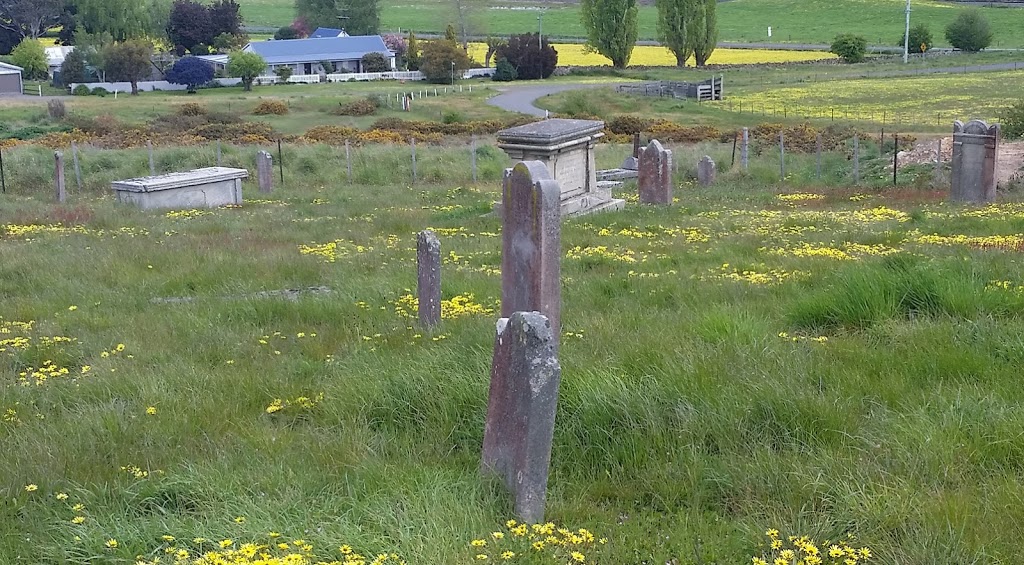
540, 29
906, 37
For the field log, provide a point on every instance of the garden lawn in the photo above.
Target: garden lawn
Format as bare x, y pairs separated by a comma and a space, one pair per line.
838, 360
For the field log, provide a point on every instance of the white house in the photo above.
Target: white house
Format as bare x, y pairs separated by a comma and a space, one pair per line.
55, 56
10, 79
305, 56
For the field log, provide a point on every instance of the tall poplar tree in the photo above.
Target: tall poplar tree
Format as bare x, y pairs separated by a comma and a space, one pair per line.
611, 28
704, 32
674, 21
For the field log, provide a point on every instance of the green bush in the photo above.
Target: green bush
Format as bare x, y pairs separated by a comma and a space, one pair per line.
504, 71
452, 117
920, 39
850, 48
283, 73
100, 91
375, 63
30, 56
1012, 122
969, 31
81, 90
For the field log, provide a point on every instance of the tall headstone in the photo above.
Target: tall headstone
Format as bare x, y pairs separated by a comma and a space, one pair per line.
975, 147
531, 243
521, 406
566, 148
265, 171
58, 176
655, 174
706, 171
428, 278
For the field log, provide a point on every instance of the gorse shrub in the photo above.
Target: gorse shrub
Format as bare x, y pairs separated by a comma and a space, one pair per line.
191, 109
1012, 121
271, 107
361, 107
55, 108
627, 125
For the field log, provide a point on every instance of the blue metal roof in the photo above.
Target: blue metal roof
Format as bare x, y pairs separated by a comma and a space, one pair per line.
325, 32
319, 49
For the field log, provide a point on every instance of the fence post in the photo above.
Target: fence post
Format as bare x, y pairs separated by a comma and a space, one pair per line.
58, 176
817, 148
348, 159
280, 161
743, 149
3, 180
938, 161
782, 156
856, 159
412, 142
472, 155
78, 170
895, 152
152, 166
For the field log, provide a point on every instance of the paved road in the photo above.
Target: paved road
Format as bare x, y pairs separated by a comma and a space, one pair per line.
521, 98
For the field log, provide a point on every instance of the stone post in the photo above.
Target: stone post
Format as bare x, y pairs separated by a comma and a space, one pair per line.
744, 149
58, 176
521, 407
428, 278
817, 150
975, 147
152, 165
265, 171
782, 156
531, 243
856, 160
472, 156
706, 171
654, 177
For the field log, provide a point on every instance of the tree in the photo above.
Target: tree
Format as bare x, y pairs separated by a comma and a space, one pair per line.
396, 43
93, 46
469, 19
362, 17
493, 43
8, 40
30, 18
504, 71
73, 69
318, 13
190, 71
246, 66
189, 24
225, 17
449, 34
286, 32
611, 28
850, 48
442, 59
30, 56
413, 58
920, 39
532, 57
122, 19
969, 31
1012, 121
674, 17
704, 31
129, 61
375, 63
230, 41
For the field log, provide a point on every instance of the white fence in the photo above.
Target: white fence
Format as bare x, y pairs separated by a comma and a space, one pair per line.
391, 75
148, 85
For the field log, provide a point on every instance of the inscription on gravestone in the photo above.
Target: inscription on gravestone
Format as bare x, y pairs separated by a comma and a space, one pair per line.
975, 147
654, 179
521, 406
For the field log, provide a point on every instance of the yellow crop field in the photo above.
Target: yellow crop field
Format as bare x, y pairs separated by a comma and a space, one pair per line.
929, 99
572, 55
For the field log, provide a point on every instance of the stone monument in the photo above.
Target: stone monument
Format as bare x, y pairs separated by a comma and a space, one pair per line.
706, 171
265, 171
975, 147
566, 148
655, 174
428, 278
521, 406
200, 188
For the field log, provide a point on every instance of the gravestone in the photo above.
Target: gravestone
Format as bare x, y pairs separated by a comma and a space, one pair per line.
706, 171
428, 271
655, 174
521, 406
566, 148
975, 146
630, 163
265, 171
531, 243
58, 176
200, 188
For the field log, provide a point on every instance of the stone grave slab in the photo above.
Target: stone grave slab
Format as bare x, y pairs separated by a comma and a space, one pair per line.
200, 188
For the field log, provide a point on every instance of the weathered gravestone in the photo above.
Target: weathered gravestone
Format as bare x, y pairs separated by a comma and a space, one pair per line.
531, 243
428, 266
521, 407
58, 176
199, 188
706, 171
655, 175
975, 146
566, 148
265, 171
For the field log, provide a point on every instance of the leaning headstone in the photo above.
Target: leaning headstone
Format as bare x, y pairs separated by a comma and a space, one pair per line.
566, 148
975, 146
706, 171
428, 278
58, 176
265, 171
521, 406
631, 163
655, 174
531, 243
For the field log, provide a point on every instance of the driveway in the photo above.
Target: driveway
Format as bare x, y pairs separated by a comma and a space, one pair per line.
521, 98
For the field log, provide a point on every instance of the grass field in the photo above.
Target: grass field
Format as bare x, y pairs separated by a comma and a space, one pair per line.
793, 21
836, 361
